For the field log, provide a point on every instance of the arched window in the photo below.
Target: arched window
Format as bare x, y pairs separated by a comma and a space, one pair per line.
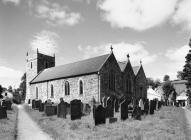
129, 84
52, 91
112, 80
81, 87
31, 65
67, 88
36, 93
141, 92
46, 64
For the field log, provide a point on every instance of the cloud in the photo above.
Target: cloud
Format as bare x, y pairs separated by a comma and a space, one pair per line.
177, 54
137, 14
54, 14
16, 2
182, 15
176, 60
9, 76
45, 41
137, 52
6, 72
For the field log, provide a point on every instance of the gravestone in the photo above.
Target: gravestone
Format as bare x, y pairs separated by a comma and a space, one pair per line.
37, 104
116, 105
75, 109
137, 113
112, 120
29, 101
99, 114
3, 112
146, 106
124, 110
41, 107
33, 104
110, 108
50, 110
152, 107
159, 104
87, 109
61, 110
67, 108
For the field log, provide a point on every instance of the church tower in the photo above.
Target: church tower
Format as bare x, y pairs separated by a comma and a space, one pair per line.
35, 63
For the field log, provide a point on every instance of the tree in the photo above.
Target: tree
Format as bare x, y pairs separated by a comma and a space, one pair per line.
1, 90
180, 75
22, 86
152, 83
167, 88
186, 75
166, 78
10, 89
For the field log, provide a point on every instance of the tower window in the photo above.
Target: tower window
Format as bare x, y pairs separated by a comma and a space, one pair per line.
31, 65
36, 93
52, 91
81, 87
67, 88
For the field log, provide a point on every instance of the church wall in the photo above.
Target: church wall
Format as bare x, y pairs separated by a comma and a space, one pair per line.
141, 82
110, 64
128, 74
90, 89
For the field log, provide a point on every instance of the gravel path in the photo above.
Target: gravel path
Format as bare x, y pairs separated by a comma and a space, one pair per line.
28, 129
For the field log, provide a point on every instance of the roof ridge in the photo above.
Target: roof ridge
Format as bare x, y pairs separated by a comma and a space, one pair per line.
76, 61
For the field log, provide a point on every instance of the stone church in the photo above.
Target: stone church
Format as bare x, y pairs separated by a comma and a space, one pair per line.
96, 78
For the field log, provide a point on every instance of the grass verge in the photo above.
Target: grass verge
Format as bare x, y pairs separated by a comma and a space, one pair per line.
166, 124
8, 127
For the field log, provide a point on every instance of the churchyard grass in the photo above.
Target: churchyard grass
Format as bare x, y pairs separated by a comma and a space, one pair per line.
8, 127
166, 124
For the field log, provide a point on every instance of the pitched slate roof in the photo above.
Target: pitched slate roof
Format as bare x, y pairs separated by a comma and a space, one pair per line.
122, 65
136, 69
82, 67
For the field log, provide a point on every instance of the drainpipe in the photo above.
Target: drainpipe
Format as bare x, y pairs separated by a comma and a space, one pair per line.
47, 90
99, 100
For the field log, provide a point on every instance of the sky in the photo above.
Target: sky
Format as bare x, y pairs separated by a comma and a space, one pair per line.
155, 32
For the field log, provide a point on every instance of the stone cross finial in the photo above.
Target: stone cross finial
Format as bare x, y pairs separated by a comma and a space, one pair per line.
37, 50
141, 62
128, 56
111, 49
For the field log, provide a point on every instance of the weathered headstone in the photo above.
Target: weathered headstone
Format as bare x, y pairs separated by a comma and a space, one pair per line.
137, 113
116, 105
124, 110
99, 114
67, 108
152, 107
33, 104
110, 108
37, 104
29, 101
75, 109
50, 110
41, 108
146, 106
112, 120
61, 110
3, 112
7, 104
